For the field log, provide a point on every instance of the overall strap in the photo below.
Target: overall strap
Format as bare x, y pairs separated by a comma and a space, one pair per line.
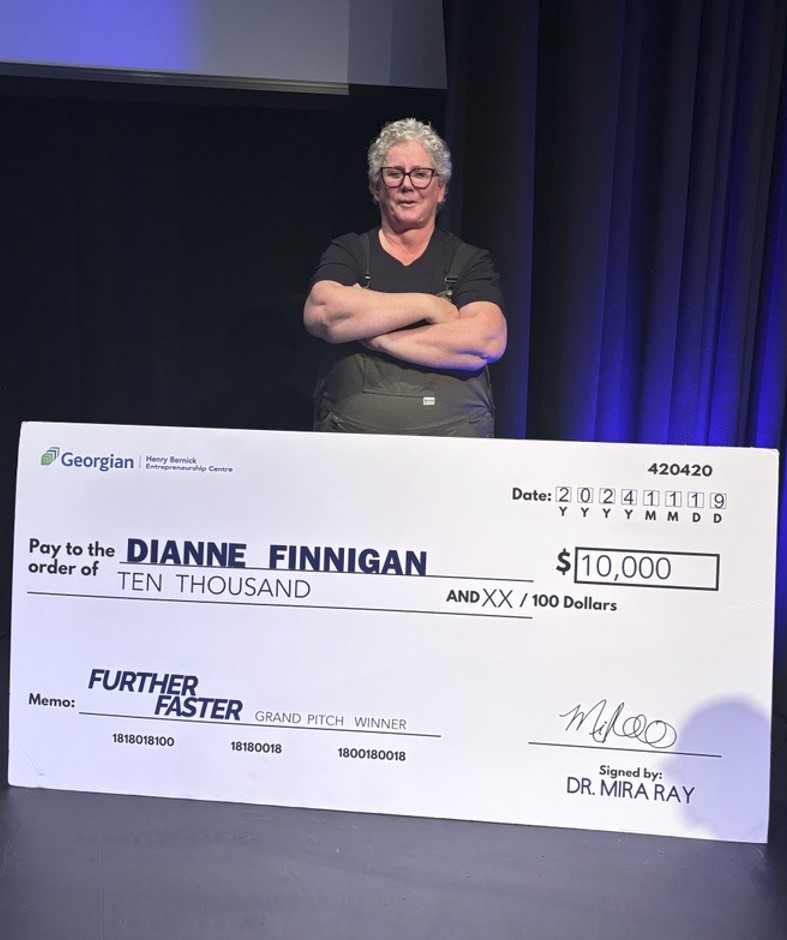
460, 259
367, 278
461, 256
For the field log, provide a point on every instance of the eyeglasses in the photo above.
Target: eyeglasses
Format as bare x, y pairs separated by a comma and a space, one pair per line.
420, 176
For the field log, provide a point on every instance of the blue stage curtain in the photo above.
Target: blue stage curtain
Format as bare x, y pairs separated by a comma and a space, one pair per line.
647, 271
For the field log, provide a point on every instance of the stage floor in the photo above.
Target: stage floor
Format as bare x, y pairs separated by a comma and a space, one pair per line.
77, 866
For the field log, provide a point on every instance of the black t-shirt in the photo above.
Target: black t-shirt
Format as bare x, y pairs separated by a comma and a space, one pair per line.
344, 262
364, 391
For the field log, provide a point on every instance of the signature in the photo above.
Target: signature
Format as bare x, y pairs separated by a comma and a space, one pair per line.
601, 724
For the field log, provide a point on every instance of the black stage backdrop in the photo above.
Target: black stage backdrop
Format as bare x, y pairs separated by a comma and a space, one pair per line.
624, 160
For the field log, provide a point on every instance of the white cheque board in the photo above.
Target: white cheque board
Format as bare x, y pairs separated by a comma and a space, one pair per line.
559, 634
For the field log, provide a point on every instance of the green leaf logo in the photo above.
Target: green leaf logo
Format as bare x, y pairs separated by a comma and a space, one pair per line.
50, 456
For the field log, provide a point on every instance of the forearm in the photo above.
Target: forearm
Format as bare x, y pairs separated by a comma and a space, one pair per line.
340, 314
468, 343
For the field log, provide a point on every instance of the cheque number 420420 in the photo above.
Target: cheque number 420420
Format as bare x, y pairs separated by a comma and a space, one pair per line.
681, 469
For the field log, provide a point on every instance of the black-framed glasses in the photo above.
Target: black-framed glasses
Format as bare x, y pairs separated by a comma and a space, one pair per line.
420, 176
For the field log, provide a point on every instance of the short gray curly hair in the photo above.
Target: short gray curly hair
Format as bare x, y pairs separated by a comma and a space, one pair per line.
402, 132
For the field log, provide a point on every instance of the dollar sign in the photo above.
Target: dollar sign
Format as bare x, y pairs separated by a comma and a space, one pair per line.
563, 564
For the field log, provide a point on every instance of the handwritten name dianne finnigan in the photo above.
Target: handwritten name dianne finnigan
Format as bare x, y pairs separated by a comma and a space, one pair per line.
602, 722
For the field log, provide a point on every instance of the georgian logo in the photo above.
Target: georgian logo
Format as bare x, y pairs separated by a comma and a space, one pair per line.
101, 462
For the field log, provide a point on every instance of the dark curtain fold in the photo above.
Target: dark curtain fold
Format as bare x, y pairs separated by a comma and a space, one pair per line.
656, 158
659, 257
490, 127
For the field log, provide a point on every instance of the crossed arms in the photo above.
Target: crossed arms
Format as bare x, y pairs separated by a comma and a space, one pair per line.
419, 328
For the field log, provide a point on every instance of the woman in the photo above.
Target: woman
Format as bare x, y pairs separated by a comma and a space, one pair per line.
413, 317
